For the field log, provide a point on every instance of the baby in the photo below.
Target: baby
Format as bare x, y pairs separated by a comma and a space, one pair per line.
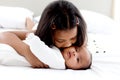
72, 57
76, 58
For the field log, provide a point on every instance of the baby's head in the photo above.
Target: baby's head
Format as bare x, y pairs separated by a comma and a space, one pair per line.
77, 58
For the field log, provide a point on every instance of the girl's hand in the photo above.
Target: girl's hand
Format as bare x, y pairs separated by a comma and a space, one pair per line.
34, 61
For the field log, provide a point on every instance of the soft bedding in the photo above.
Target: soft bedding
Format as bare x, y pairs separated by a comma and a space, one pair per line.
50, 56
14, 17
103, 43
104, 65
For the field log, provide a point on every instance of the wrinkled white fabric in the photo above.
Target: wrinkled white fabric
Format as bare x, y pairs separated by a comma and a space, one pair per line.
9, 57
49, 56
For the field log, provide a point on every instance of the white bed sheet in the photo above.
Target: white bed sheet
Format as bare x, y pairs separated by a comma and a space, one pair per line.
100, 70
104, 65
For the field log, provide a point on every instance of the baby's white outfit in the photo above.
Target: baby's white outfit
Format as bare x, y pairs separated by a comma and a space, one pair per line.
50, 56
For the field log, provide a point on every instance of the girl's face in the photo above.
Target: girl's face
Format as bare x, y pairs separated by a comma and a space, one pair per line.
65, 38
76, 58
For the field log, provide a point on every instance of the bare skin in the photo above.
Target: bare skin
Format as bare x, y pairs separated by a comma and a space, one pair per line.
23, 49
65, 38
61, 39
76, 58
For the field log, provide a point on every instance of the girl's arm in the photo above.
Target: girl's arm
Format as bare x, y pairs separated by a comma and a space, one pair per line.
13, 39
22, 34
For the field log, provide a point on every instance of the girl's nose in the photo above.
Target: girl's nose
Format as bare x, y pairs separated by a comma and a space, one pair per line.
68, 44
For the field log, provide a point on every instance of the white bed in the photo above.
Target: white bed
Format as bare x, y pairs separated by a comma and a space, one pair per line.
103, 33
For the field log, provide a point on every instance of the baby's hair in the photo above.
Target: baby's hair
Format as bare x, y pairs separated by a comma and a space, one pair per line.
89, 65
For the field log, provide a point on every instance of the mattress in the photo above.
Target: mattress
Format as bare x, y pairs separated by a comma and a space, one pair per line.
105, 65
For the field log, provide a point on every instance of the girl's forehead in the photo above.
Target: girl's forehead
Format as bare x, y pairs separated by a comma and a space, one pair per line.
66, 32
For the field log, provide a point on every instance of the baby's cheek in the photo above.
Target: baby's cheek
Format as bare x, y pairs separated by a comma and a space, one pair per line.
71, 61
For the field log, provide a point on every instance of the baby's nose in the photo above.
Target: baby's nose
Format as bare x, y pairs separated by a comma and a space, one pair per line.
73, 53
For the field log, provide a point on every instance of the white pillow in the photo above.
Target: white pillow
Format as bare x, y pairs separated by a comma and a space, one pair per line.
14, 17
98, 23
9, 57
36, 21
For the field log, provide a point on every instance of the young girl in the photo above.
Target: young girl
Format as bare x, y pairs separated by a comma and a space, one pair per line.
61, 25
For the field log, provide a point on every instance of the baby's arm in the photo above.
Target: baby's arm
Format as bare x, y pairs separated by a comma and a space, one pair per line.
23, 49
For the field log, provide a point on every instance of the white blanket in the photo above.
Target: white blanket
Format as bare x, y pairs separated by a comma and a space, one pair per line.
105, 66
50, 56
9, 57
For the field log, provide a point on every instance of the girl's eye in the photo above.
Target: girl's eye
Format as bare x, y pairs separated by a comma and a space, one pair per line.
60, 41
73, 38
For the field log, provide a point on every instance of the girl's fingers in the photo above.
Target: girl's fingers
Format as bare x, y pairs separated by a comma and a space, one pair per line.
46, 66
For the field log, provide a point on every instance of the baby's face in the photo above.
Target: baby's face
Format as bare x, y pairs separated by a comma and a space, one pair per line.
76, 58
